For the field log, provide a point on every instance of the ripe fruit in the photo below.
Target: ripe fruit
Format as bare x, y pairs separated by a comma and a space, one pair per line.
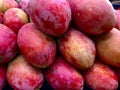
52, 17
6, 4
101, 77
38, 48
108, 47
8, 44
93, 17
77, 48
62, 76
15, 18
23, 76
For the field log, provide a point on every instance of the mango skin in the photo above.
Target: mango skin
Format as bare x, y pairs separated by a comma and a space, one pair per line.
21, 75
108, 47
77, 48
15, 18
7, 4
38, 48
63, 76
101, 77
53, 17
93, 17
8, 44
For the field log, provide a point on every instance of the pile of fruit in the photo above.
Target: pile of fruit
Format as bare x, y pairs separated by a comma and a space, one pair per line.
59, 45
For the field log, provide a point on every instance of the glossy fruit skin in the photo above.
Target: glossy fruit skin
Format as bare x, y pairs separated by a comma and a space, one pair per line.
77, 48
15, 18
8, 44
93, 17
107, 47
6, 4
62, 76
101, 77
21, 75
38, 48
52, 17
